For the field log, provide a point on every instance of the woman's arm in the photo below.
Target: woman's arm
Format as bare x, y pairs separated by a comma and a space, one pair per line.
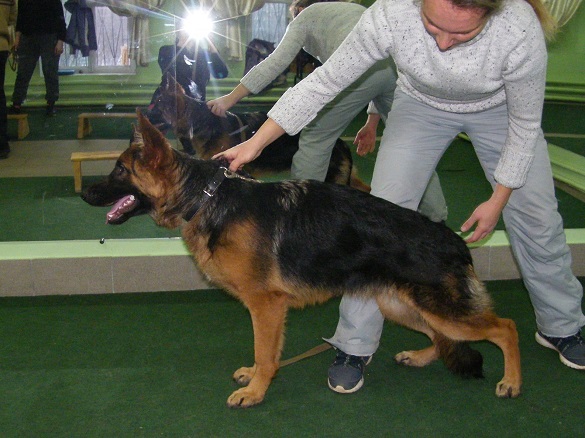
222, 104
365, 139
266, 71
487, 214
251, 149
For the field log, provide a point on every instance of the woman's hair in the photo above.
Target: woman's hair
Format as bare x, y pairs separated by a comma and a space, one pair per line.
297, 4
547, 21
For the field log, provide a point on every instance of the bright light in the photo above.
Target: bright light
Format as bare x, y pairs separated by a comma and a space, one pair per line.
197, 24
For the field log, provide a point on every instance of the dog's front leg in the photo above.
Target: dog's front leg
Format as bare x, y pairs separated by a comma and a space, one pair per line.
268, 312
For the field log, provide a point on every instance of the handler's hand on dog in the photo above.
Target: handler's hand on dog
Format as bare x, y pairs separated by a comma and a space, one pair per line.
250, 149
239, 155
219, 106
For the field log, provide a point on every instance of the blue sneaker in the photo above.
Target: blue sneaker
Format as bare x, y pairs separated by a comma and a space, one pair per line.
571, 349
346, 373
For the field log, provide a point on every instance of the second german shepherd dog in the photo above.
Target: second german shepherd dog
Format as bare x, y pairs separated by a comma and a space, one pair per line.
204, 134
293, 243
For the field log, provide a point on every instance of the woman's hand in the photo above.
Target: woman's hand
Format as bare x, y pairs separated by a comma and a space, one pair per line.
365, 139
251, 148
240, 154
487, 214
220, 105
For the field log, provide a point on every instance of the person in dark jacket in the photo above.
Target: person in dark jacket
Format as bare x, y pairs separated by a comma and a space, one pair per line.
40, 32
191, 65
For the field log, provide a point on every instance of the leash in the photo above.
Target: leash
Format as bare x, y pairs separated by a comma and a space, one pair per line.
241, 130
312, 352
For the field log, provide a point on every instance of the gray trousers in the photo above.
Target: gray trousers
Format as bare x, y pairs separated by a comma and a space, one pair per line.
32, 47
318, 138
412, 145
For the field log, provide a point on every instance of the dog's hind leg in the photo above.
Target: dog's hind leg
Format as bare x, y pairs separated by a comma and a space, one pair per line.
487, 326
268, 312
399, 312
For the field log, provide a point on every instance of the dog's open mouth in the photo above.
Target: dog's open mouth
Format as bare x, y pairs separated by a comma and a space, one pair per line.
125, 205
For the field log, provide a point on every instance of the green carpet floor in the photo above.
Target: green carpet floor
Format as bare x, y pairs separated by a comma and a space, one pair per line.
160, 365
46, 208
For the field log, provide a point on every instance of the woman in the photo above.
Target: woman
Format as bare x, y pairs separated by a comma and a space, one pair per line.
477, 66
319, 27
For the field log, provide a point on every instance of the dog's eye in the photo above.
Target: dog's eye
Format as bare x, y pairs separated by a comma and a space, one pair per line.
119, 169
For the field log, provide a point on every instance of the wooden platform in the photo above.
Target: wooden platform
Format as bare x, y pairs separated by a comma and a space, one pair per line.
84, 125
23, 128
78, 157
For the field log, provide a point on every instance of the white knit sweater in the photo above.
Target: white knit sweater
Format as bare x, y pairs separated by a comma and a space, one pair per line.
506, 62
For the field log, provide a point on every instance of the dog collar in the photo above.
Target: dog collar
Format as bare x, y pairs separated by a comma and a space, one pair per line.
208, 192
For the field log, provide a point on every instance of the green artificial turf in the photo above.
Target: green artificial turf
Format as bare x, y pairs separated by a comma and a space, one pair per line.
160, 364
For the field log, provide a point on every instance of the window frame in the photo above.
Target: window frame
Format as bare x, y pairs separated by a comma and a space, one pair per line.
92, 67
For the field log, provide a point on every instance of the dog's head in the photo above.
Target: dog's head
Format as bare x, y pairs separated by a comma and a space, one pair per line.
144, 180
177, 108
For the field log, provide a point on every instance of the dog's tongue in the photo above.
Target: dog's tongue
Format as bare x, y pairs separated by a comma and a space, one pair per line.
124, 205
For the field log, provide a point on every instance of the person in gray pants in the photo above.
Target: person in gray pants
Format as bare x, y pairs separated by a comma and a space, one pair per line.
319, 27
463, 65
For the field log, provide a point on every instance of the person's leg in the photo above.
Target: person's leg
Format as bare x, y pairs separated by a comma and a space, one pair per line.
433, 204
535, 230
411, 146
317, 139
4, 147
50, 65
414, 139
28, 55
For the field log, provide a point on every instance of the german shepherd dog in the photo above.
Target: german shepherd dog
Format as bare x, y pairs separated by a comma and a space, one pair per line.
204, 134
293, 243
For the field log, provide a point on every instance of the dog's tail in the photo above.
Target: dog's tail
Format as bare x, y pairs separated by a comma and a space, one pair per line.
460, 358
356, 182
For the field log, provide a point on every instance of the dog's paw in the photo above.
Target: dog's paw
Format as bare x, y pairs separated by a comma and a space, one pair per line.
244, 398
418, 358
505, 389
243, 375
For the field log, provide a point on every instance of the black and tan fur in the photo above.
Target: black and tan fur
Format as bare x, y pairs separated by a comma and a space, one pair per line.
204, 134
294, 243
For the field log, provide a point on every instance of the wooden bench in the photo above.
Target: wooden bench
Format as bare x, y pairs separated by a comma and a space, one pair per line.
23, 128
84, 126
78, 157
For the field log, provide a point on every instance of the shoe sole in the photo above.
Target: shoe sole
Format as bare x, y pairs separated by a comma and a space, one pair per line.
341, 390
545, 343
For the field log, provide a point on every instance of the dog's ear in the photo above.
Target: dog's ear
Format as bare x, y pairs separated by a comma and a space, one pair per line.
157, 151
174, 85
136, 137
